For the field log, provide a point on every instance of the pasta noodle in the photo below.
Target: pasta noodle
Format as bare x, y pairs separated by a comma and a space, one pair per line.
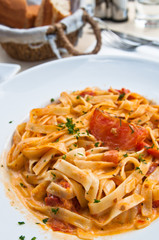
88, 162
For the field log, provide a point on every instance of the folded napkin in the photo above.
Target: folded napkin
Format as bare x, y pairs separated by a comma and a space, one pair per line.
144, 51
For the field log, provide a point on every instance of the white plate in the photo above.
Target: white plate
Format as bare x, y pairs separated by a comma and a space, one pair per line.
35, 87
8, 70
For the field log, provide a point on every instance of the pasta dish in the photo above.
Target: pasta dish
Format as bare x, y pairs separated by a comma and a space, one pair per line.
88, 163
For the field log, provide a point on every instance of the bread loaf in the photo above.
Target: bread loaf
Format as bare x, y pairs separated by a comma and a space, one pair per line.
52, 11
32, 12
13, 13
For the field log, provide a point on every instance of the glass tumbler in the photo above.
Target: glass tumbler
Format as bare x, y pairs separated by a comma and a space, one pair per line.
147, 13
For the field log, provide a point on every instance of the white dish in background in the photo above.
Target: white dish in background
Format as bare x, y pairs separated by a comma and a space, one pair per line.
34, 88
8, 70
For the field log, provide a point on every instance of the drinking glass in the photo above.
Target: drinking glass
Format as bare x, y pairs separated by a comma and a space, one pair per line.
147, 13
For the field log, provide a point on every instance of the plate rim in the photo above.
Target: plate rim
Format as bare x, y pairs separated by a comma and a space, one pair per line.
83, 57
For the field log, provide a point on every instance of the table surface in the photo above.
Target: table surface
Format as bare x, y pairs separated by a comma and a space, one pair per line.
88, 38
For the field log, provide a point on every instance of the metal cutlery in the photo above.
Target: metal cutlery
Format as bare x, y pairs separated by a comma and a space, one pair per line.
122, 40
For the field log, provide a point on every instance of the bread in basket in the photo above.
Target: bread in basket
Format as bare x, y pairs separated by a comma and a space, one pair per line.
48, 41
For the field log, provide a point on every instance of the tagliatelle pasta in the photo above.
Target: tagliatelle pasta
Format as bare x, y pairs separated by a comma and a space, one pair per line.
88, 163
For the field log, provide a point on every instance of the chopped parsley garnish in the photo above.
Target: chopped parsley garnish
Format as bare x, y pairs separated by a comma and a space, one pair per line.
64, 157
54, 210
21, 223
96, 201
10, 121
78, 97
22, 237
125, 155
96, 144
37, 223
57, 140
45, 220
149, 147
138, 169
52, 100
141, 159
22, 185
77, 136
121, 96
139, 121
84, 112
132, 130
75, 145
80, 154
34, 238
87, 132
54, 175
71, 126
60, 126
88, 98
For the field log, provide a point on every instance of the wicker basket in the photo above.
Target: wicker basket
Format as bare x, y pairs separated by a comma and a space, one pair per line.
46, 42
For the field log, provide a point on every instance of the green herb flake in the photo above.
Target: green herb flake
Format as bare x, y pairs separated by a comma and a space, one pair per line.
77, 136
55, 210
64, 157
88, 98
71, 126
125, 155
87, 133
96, 144
54, 175
138, 169
96, 201
75, 145
45, 220
132, 130
21, 223
52, 100
80, 154
34, 238
60, 126
22, 237
78, 97
10, 121
149, 147
57, 140
141, 159
121, 96
37, 223
84, 112
22, 185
